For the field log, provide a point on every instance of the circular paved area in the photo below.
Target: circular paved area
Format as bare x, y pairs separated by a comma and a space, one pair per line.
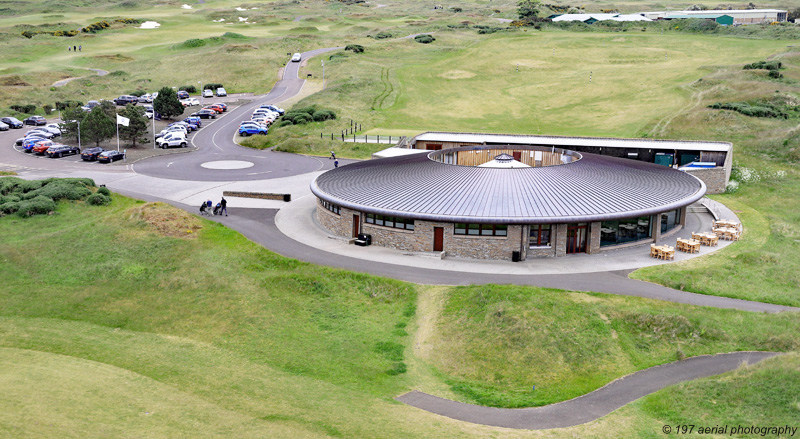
228, 164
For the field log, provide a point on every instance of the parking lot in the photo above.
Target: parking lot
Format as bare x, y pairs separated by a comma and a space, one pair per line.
141, 151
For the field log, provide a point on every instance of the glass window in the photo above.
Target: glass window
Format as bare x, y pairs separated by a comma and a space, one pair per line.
625, 230
475, 229
670, 219
390, 221
330, 206
539, 235
461, 229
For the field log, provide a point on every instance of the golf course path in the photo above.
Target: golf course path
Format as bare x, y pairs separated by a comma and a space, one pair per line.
593, 405
64, 82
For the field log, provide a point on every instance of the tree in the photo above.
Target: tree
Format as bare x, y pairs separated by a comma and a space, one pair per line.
167, 103
794, 14
137, 123
97, 126
528, 10
72, 115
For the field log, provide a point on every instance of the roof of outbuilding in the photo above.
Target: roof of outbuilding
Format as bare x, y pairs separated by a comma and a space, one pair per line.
594, 188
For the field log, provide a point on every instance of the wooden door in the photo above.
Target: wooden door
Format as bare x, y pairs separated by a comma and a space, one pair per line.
356, 225
438, 239
517, 155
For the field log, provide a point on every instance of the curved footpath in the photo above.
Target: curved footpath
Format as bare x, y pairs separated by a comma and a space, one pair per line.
593, 405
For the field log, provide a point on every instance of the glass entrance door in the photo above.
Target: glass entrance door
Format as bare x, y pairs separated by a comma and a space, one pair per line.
576, 237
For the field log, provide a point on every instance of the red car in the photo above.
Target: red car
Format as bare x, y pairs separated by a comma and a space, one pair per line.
42, 147
214, 107
221, 105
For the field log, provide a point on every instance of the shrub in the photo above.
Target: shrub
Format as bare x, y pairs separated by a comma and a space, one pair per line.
137, 93
234, 35
301, 119
27, 108
355, 48
98, 199
29, 185
456, 9
39, 205
322, 115
424, 39
775, 74
62, 105
60, 191
285, 123
47, 109
212, 86
382, 35
104, 190
9, 207
764, 65
191, 43
188, 88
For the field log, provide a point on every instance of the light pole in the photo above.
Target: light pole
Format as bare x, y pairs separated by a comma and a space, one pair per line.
79, 133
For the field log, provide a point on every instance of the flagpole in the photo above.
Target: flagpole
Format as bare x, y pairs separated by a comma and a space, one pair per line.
117, 134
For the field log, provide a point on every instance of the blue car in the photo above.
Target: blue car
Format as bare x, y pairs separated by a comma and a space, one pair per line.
251, 128
29, 142
194, 120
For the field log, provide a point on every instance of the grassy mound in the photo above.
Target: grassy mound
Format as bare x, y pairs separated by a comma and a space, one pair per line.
167, 220
494, 343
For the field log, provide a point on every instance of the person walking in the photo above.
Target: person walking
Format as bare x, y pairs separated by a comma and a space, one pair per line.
209, 204
333, 156
69, 48
74, 48
224, 206
80, 48
336, 163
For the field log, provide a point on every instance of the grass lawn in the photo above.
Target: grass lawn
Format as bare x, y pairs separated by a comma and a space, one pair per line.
190, 313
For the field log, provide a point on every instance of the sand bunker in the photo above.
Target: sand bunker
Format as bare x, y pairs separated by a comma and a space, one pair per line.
186, 6
456, 74
241, 9
218, 21
150, 25
242, 19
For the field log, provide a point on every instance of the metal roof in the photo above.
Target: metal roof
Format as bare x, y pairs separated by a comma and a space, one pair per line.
568, 142
594, 188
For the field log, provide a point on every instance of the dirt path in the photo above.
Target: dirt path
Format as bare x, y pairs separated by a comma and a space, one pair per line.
66, 81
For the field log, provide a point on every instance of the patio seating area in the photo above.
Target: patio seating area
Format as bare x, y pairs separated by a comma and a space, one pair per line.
722, 229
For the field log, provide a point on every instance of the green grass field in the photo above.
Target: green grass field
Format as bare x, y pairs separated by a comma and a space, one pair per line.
248, 342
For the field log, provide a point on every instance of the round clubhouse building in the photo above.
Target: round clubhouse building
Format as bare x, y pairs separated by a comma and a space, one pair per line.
505, 202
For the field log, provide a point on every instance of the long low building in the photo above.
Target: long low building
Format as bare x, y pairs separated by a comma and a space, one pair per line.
739, 16
504, 201
709, 161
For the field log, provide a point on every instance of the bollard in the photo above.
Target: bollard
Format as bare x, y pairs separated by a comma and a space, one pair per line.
331, 136
320, 136
379, 139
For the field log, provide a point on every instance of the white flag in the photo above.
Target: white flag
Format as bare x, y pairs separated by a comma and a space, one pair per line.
122, 120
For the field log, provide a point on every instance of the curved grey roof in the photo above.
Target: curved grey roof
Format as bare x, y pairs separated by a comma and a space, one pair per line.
594, 188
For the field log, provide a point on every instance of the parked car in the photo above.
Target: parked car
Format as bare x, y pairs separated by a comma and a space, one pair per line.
183, 94
57, 151
13, 122
21, 140
248, 129
297, 57
173, 129
110, 156
190, 102
53, 128
273, 108
35, 120
91, 154
266, 113
214, 107
221, 105
195, 120
126, 99
3, 126
89, 105
205, 114
207, 93
41, 132
146, 98
42, 147
186, 126
170, 140
30, 143
221, 92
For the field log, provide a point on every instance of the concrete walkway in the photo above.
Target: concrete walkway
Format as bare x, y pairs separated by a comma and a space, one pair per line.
593, 405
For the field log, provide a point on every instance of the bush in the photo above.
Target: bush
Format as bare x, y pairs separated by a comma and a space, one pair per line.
285, 123
424, 39
62, 105
188, 88
775, 74
764, 65
98, 199
382, 35
137, 93
60, 191
27, 108
36, 206
47, 109
355, 48
323, 115
212, 86
9, 207
301, 119
104, 190
192, 43
456, 9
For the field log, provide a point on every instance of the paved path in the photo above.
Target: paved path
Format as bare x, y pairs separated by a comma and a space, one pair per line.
593, 405
64, 82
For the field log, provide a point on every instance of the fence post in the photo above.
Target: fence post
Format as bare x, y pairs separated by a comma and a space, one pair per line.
390, 138
320, 136
331, 136
342, 136
379, 138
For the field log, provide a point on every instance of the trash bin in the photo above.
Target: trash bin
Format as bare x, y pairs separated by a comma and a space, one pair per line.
515, 256
287, 197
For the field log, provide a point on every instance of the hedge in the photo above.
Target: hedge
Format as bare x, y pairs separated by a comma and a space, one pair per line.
424, 39
212, 86
188, 88
27, 108
40, 205
98, 199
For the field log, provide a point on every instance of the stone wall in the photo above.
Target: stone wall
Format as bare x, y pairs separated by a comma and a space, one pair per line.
714, 178
258, 195
339, 225
593, 240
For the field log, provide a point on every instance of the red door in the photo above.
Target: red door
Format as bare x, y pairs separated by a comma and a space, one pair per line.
356, 225
517, 155
438, 239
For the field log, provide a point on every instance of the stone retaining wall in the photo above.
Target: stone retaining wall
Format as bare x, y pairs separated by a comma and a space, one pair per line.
258, 195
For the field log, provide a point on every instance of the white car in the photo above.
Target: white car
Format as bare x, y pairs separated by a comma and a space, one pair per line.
145, 98
268, 113
191, 102
170, 140
297, 57
53, 128
207, 93
3, 127
173, 129
221, 92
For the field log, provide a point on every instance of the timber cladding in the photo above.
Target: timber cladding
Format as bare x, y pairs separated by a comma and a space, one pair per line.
531, 158
258, 195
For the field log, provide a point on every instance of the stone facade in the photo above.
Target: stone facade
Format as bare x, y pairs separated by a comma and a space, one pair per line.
714, 178
339, 224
